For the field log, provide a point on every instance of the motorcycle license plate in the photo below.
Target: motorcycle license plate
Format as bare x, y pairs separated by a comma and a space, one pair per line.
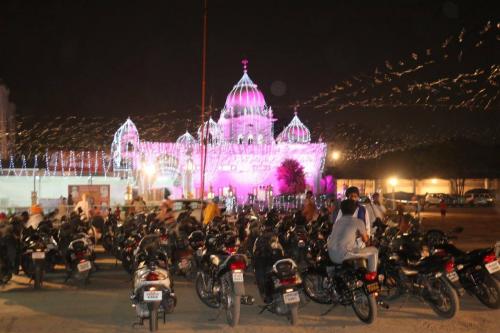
84, 266
152, 295
372, 287
493, 267
38, 255
453, 276
237, 276
290, 298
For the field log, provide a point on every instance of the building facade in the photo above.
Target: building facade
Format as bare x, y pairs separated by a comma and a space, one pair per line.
242, 158
242, 155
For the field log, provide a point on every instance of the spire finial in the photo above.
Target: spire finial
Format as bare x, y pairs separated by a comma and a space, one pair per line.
245, 63
296, 108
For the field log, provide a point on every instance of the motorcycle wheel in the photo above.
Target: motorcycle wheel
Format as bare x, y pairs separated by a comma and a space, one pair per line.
232, 303
38, 276
204, 295
449, 304
153, 317
191, 273
5, 275
314, 290
107, 243
294, 314
85, 278
392, 289
364, 306
127, 265
488, 292
233, 309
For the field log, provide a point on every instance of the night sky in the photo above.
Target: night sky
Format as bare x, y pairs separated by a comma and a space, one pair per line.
123, 58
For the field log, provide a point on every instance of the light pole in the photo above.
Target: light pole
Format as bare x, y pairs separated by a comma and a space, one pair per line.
393, 182
34, 195
149, 170
336, 154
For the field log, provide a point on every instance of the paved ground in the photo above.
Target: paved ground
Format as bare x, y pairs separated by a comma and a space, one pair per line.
104, 305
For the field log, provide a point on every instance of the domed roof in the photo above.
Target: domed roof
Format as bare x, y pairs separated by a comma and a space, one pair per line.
214, 132
125, 141
295, 132
186, 139
245, 98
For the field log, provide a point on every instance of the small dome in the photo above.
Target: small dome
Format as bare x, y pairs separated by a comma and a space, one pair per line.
186, 139
125, 142
245, 98
295, 132
214, 132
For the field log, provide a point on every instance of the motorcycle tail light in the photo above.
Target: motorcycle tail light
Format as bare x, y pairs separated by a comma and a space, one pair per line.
490, 257
231, 250
152, 276
449, 266
371, 276
237, 265
289, 281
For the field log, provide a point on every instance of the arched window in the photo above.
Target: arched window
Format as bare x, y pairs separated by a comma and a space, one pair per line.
130, 147
250, 139
240, 139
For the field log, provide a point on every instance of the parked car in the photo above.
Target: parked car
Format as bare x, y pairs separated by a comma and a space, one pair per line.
479, 199
434, 199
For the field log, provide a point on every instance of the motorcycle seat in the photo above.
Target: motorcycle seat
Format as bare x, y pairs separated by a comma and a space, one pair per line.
409, 271
354, 263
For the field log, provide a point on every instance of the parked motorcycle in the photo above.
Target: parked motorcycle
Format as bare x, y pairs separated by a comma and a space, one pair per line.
128, 247
286, 290
33, 258
108, 229
8, 256
348, 284
79, 260
220, 282
475, 269
153, 292
183, 261
5, 271
297, 245
432, 279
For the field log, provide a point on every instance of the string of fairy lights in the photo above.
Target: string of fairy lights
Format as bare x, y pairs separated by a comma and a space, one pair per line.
457, 74
62, 163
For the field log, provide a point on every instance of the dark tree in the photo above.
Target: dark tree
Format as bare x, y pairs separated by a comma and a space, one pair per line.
291, 177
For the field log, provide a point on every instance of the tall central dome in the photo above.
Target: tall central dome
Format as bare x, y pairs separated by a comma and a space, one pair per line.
245, 118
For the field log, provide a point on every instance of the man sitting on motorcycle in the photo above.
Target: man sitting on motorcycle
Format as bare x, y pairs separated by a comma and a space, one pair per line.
360, 212
342, 241
266, 251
